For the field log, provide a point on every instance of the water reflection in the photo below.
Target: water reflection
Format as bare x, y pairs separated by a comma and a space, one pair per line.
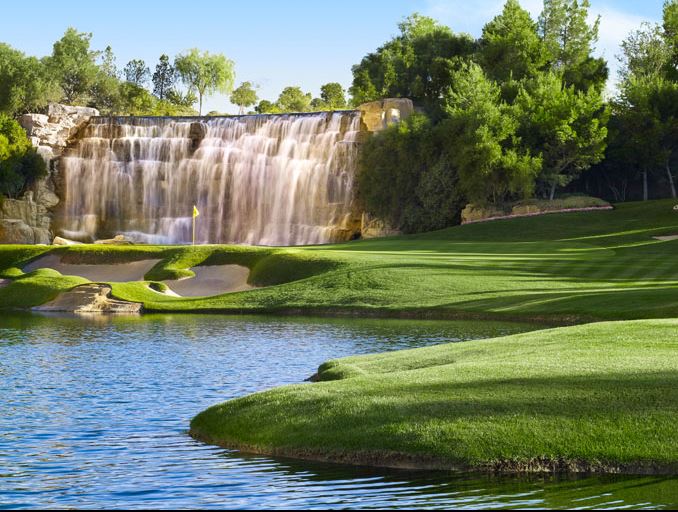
95, 412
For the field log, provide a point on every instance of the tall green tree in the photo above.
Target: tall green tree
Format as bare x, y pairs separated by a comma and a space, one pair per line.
244, 96
570, 40
670, 26
567, 126
205, 73
108, 64
73, 65
24, 83
333, 96
293, 99
137, 72
164, 77
417, 64
510, 46
492, 165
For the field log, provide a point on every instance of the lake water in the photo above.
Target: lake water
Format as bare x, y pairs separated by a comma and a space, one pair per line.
94, 413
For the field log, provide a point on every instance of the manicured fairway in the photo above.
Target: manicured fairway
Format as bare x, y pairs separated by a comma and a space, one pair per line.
598, 397
562, 267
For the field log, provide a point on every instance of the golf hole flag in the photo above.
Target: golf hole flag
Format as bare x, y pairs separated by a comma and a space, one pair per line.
195, 214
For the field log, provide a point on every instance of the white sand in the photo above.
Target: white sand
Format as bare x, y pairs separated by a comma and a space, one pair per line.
666, 238
212, 280
112, 273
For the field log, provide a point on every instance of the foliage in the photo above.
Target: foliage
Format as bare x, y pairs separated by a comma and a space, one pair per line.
293, 99
332, 97
244, 96
164, 77
20, 165
137, 72
266, 107
566, 126
73, 65
492, 166
569, 42
24, 85
416, 64
510, 47
205, 73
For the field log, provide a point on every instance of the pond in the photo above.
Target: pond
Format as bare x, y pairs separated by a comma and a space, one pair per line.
94, 413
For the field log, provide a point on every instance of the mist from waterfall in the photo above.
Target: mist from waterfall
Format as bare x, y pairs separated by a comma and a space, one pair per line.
262, 180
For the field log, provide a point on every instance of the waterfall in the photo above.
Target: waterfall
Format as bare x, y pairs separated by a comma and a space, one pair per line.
263, 180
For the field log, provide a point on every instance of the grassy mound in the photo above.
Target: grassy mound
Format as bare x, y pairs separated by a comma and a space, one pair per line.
599, 397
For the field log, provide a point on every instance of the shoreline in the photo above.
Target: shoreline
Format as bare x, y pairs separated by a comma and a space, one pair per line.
412, 462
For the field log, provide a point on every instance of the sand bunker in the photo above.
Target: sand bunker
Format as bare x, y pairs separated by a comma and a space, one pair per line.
111, 273
666, 238
212, 280
208, 280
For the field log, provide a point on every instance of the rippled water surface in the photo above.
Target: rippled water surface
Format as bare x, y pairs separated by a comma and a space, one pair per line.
94, 413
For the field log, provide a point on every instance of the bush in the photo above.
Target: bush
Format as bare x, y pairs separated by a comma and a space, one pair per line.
408, 178
20, 164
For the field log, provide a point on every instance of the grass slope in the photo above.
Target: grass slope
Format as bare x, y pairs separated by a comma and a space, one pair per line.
598, 397
560, 267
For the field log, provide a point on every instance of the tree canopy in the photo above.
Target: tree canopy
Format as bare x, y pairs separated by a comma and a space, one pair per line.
205, 73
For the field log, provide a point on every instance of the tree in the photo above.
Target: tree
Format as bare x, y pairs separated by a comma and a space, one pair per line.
492, 165
645, 52
24, 83
416, 64
244, 96
567, 126
73, 65
510, 47
293, 99
569, 42
164, 77
20, 165
266, 107
137, 73
332, 96
205, 73
670, 26
108, 64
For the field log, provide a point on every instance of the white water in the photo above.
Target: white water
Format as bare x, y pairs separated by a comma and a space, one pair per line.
264, 180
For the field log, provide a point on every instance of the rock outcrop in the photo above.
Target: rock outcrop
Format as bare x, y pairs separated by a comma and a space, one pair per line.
378, 115
28, 220
89, 298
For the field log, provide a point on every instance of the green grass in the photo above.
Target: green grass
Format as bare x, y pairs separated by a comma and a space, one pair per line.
596, 397
561, 267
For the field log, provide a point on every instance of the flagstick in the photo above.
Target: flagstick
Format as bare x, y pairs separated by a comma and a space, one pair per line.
193, 229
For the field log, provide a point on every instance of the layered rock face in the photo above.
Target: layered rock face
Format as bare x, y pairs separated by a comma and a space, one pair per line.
28, 220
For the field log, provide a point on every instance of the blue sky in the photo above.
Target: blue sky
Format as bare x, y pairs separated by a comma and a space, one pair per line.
272, 43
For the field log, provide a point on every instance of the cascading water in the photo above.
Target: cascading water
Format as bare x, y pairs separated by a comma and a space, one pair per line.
264, 180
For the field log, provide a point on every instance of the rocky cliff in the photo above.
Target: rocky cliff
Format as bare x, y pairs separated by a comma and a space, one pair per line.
28, 220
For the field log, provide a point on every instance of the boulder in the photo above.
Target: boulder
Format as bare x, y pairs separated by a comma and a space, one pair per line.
116, 240
32, 122
56, 109
15, 231
474, 212
378, 115
375, 228
64, 241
